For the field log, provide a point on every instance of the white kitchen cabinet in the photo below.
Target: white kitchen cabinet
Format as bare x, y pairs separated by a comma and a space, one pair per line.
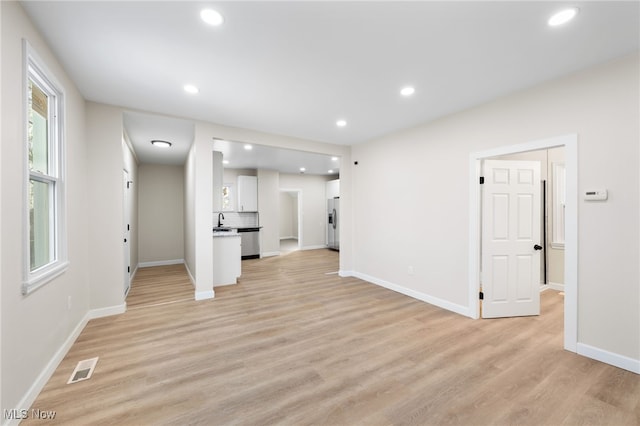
333, 189
226, 259
247, 194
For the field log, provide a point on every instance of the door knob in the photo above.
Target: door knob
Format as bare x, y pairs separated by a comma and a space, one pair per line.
537, 247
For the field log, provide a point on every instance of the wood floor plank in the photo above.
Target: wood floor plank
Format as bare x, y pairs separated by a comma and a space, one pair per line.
295, 344
159, 285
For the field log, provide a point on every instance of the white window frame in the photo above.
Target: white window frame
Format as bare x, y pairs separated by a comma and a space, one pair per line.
35, 70
558, 205
229, 186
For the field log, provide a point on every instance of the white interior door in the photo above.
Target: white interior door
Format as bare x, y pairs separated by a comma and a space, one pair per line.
126, 231
511, 246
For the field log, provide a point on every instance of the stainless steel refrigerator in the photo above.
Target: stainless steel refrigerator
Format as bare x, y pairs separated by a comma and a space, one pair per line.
333, 230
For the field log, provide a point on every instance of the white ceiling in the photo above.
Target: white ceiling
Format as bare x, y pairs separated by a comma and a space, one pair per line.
283, 160
294, 68
142, 128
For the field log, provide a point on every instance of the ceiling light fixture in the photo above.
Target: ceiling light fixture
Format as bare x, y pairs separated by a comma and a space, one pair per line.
562, 17
330, 171
225, 161
341, 123
248, 147
407, 91
211, 17
161, 144
334, 158
190, 88
302, 169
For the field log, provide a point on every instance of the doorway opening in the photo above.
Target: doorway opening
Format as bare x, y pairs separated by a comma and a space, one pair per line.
569, 142
290, 227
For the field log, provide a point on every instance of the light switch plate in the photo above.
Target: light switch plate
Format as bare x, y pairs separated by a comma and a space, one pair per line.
596, 195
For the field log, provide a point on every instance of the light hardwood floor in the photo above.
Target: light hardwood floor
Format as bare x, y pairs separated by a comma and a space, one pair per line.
294, 344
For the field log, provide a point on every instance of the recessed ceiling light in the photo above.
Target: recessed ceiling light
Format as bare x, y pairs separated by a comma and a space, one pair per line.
161, 144
248, 147
341, 123
225, 161
407, 91
211, 17
334, 158
329, 171
562, 17
302, 169
190, 88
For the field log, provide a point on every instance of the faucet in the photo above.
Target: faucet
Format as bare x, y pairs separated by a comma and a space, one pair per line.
220, 215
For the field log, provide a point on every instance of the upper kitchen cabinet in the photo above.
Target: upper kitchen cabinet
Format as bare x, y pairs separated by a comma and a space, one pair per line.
247, 193
333, 189
217, 181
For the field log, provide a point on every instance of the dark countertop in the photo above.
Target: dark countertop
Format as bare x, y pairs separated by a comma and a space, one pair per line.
238, 227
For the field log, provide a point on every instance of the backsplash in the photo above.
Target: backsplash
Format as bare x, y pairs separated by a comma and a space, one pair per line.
238, 219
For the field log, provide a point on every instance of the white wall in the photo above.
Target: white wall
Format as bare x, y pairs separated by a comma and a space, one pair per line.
1, 208
288, 215
268, 206
36, 327
426, 182
104, 205
313, 204
190, 214
217, 180
203, 208
161, 212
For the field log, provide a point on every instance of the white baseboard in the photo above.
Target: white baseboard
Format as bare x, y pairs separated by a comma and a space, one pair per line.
199, 295
204, 295
270, 254
135, 271
345, 274
555, 286
316, 247
611, 358
161, 263
29, 398
444, 304
193, 280
107, 312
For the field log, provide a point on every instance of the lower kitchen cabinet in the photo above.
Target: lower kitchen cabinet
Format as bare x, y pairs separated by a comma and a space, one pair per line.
226, 259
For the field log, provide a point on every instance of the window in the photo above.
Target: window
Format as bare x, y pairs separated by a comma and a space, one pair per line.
45, 239
558, 205
226, 196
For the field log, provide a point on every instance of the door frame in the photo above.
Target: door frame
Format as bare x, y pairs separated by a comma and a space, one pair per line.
570, 143
126, 219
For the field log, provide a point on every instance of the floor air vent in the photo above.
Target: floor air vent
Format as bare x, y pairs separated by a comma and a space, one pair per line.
83, 370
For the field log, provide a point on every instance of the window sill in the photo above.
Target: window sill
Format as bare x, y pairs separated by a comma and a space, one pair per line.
44, 276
